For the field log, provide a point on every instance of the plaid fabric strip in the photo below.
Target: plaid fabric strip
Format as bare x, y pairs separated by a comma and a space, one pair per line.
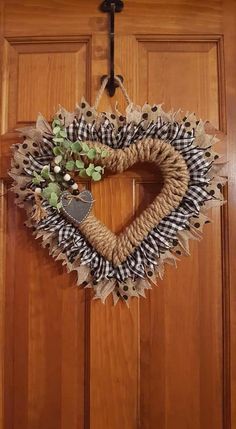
46, 149
162, 236
106, 133
34, 164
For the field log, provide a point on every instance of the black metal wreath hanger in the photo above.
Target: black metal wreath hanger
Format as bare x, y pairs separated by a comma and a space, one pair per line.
111, 7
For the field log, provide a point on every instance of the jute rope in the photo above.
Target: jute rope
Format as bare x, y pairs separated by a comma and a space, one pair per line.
102, 89
116, 248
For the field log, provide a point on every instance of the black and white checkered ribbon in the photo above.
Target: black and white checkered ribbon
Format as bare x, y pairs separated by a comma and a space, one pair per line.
163, 236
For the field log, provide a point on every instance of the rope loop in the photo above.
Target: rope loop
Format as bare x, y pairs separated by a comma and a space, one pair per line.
103, 87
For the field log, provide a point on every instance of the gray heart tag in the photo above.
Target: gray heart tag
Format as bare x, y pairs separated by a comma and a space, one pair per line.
76, 209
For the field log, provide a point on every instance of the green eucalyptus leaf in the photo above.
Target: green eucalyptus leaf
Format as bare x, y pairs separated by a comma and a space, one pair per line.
89, 171
46, 192
63, 133
58, 159
57, 150
37, 181
85, 147
45, 172
37, 178
76, 147
79, 164
66, 144
56, 122
96, 176
91, 153
51, 192
58, 139
59, 205
56, 130
46, 167
83, 173
54, 187
53, 200
70, 165
98, 168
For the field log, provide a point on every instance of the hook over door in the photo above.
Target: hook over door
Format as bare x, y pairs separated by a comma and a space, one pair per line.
111, 7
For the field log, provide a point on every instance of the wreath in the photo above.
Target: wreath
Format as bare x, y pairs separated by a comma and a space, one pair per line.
47, 168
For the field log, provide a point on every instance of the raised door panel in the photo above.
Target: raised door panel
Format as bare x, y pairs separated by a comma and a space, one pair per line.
40, 74
115, 332
184, 73
69, 361
46, 315
181, 366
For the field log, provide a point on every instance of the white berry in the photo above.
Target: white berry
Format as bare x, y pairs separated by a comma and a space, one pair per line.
66, 177
74, 186
57, 169
38, 190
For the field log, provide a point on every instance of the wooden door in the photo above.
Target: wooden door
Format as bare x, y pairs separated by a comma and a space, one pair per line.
68, 361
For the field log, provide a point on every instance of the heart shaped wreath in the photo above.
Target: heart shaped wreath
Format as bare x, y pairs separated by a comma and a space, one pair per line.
48, 164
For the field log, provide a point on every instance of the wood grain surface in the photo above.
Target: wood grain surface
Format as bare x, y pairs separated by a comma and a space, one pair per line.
168, 361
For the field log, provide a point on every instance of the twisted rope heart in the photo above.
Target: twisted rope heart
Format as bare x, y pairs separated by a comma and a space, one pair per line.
126, 264
116, 248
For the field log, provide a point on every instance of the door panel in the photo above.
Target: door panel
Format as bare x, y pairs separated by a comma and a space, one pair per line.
189, 69
56, 70
44, 335
69, 361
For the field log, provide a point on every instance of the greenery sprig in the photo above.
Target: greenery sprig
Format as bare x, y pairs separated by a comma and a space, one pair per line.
70, 157
71, 154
